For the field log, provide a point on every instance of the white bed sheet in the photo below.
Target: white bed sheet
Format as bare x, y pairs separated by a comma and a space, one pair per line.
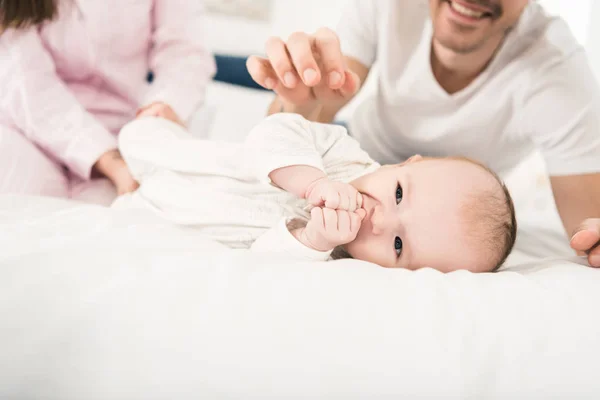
102, 304
98, 304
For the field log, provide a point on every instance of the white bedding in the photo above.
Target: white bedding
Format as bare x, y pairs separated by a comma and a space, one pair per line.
100, 304
96, 304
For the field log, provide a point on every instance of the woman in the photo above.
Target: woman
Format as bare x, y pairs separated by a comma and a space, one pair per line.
73, 72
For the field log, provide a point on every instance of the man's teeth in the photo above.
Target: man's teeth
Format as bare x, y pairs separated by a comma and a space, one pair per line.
466, 11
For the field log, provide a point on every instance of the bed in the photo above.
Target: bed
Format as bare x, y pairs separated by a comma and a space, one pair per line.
102, 304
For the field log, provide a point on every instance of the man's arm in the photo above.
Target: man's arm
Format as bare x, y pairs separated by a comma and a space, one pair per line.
561, 115
578, 199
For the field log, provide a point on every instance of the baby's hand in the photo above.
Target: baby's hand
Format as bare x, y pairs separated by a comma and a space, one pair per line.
330, 228
334, 195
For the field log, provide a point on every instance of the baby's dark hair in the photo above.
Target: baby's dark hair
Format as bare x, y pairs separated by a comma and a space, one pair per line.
24, 13
492, 213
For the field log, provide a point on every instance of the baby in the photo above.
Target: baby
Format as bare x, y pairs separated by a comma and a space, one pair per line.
309, 191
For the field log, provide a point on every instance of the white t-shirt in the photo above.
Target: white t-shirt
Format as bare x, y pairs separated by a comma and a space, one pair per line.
538, 93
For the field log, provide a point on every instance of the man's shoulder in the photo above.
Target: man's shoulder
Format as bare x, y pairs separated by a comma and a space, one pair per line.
542, 40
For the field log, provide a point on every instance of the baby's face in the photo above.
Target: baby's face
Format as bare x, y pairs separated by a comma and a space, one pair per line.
415, 215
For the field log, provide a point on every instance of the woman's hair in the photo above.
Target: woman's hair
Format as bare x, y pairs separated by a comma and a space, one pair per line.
23, 13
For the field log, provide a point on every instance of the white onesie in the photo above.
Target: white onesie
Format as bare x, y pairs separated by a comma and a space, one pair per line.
223, 189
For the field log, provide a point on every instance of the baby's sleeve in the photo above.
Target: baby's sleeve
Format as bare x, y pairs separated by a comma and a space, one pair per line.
150, 143
284, 140
279, 240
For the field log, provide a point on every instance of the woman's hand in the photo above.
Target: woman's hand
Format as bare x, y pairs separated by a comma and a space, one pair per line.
161, 110
112, 166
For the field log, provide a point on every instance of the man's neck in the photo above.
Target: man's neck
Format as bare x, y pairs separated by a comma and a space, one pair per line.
455, 71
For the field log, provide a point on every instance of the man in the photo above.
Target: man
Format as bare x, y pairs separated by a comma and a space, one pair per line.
488, 79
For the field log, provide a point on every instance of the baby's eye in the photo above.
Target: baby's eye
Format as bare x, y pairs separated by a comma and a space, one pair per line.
399, 194
398, 246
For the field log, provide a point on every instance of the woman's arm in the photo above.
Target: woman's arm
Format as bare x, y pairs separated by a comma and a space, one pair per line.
36, 101
181, 63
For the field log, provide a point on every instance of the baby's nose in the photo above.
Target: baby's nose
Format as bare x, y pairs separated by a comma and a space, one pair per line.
378, 221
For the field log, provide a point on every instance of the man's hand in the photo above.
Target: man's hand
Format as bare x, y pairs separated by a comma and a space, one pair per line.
307, 72
161, 110
334, 195
112, 166
329, 228
586, 240
578, 199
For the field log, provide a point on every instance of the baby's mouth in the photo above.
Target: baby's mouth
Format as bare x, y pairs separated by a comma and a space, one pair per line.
368, 205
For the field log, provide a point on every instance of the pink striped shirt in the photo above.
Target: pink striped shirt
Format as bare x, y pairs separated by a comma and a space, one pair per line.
71, 84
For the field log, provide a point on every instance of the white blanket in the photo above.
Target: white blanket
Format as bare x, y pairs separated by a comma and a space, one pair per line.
97, 304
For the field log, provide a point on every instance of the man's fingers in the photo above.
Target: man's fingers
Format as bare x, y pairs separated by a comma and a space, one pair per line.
594, 256
281, 62
351, 84
328, 47
300, 50
584, 240
262, 72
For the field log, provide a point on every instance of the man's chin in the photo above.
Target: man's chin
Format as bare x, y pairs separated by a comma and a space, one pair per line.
456, 45
458, 42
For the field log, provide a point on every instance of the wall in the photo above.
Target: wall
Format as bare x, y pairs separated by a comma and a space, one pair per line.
593, 38
239, 36
575, 12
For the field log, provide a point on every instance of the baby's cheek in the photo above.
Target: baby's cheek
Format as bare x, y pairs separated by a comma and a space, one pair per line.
365, 249
353, 248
